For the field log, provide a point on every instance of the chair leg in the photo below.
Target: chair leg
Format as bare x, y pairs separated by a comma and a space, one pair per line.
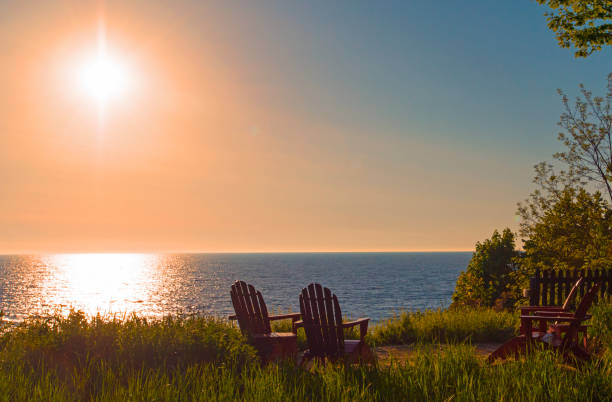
580, 353
512, 347
366, 354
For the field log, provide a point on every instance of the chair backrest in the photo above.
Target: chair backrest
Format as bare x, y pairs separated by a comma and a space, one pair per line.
250, 309
571, 294
581, 311
322, 319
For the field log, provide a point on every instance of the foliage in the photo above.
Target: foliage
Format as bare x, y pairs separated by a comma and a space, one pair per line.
563, 225
587, 136
576, 232
453, 325
487, 274
588, 158
584, 24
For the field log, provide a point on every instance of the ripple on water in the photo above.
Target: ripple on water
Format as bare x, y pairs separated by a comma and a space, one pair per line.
367, 284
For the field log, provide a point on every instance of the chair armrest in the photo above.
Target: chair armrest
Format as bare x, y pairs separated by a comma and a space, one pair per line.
232, 317
553, 313
298, 324
558, 314
540, 308
363, 326
358, 321
293, 316
553, 318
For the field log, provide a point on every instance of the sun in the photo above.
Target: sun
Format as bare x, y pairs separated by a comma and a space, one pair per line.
103, 77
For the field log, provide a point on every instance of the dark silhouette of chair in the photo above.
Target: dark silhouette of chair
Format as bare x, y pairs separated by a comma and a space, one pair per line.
254, 322
554, 310
322, 322
565, 342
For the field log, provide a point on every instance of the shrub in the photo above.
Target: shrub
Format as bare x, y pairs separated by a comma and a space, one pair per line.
488, 273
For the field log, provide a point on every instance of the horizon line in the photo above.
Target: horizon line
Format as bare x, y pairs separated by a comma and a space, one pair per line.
239, 252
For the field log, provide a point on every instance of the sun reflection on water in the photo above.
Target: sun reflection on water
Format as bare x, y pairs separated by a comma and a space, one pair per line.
101, 283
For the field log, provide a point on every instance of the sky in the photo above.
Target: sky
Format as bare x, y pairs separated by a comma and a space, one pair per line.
275, 126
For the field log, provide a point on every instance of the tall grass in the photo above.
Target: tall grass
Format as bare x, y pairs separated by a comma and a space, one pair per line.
600, 329
200, 358
74, 342
454, 374
452, 325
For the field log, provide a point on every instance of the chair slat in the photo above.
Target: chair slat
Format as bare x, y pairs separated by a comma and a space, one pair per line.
257, 316
316, 320
333, 331
250, 309
581, 311
264, 313
570, 296
339, 328
244, 292
323, 318
324, 328
240, 307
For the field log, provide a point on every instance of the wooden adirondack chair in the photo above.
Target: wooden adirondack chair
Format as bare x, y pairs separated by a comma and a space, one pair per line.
254, 322
565, 342
553, 310
322, 322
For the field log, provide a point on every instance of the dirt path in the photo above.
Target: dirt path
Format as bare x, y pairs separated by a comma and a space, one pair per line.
386, 354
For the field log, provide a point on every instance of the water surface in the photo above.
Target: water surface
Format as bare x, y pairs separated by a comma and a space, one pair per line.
367, 284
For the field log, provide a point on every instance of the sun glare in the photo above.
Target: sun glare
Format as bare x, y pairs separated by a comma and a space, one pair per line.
103, 77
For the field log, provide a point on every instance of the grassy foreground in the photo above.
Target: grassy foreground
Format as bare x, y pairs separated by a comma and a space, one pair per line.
199, 358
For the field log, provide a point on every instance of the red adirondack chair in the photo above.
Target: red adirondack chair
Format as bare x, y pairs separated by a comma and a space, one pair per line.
322, 322
254, 322
554, 310
565, 342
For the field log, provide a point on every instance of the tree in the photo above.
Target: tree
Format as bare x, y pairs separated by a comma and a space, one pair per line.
588, 131
584, 24
574, 233
487, 273
587, 136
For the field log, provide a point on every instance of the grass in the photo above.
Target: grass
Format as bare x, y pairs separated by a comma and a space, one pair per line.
454, 374
203, 358
454, 325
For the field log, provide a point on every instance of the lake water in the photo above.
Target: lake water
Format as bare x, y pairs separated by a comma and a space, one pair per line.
367, 284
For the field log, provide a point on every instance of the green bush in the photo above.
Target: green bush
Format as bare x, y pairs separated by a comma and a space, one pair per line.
487, 276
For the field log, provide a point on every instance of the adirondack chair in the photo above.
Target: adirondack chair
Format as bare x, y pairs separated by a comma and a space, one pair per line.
565, 342
322, 322
552, 310
254, 322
